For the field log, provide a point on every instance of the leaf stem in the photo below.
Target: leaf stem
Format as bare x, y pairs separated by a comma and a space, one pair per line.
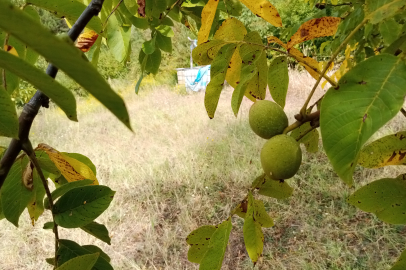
403, 112
111, 13
343, 44
28, 149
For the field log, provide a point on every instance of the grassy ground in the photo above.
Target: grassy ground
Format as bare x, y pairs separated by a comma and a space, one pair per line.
180, 170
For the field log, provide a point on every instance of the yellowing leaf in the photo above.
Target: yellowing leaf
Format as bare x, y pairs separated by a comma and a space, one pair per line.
310, 64
208, 13
389, 150
234, 69
231, 30
11, 50
70, 168
86, 40
265, 10
321, 27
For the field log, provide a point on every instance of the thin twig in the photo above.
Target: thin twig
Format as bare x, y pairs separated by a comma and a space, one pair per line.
111, 13
403, 112
307, 132
303, 110
27, 147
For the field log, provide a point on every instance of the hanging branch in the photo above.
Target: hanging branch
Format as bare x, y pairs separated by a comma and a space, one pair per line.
39, 100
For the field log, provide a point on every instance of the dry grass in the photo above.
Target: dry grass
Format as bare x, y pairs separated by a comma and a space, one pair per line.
180, 170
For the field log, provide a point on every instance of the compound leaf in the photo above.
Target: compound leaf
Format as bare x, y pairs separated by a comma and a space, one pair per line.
366, 99
386, 198
62, 54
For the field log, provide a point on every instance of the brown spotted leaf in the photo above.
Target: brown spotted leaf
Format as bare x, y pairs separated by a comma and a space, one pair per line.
86, 40
321, 27
265, 10
389, 150
141, 8
71, 168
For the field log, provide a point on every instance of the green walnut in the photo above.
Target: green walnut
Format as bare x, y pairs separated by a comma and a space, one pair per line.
281, 157
267, 119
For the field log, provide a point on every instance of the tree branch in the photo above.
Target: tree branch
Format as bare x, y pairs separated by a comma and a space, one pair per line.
31, 109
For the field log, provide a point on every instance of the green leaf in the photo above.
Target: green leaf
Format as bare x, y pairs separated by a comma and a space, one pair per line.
148, 47
379, 10
256, 87
65, 188
68, 9
80, 206
50, 87
84, 262
95, 249
213, 259
36, 206
218, 75
94, 52
14, 195
233, 7
69, 250
278, 80
390, 30
8, 115
248, 71
141, 23
153, 61
253, 236
199, 241
97, 230
366, 99
165, 30
385, 151
164, 43
48, 225
118, 39
310, 140
401, 262
386, 198
274, 188
1, 210
62, 54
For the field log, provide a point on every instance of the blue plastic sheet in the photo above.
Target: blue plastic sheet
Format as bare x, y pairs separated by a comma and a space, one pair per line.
200, 81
